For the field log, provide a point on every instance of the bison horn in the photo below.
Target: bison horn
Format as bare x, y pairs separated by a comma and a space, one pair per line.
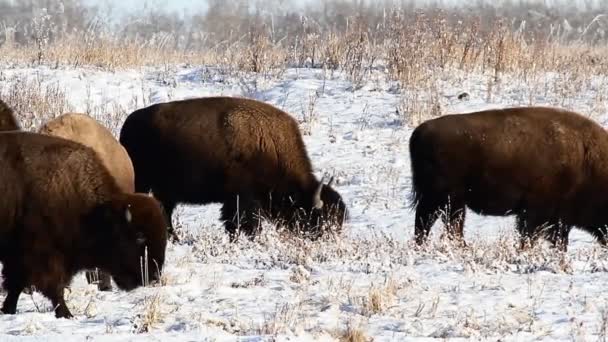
317, 202
128, 215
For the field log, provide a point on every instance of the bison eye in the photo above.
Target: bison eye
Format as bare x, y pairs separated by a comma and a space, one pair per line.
140, 239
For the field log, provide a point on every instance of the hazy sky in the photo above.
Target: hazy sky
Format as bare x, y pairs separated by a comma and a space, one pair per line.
174, 5
185, 5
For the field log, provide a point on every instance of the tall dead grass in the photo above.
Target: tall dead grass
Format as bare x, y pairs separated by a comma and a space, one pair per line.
413, 49
33, 101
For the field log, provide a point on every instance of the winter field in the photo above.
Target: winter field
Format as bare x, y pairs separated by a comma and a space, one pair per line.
372, 280
357, 106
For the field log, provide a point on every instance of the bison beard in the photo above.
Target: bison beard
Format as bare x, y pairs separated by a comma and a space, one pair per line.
63, 213
245, 154
549, 167
87, 131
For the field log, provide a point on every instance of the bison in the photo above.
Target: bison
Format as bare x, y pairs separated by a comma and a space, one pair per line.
243, 153
546, 166
8, 122
62, 212
86, 130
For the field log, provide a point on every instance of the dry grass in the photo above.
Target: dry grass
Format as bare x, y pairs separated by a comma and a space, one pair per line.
414, 50
353, 334
33, 101
412, 47
151, 314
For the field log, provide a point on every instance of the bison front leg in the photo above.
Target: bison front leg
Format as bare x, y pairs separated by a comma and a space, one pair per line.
526, 227
105, 282
558, 235
601, 235
168, 208
55, 294
14, 285
240, 216
533, 226
10, 302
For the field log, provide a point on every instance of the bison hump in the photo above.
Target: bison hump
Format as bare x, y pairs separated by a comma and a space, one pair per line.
251, 134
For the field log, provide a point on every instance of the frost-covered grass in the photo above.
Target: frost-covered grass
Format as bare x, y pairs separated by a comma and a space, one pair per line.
370, 282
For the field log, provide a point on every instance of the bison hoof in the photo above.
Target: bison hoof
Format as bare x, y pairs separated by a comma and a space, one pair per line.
173, 236
62, 312
104, 287
8, 311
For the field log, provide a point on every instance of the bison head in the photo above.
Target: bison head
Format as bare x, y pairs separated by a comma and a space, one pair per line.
328, 210
133, 238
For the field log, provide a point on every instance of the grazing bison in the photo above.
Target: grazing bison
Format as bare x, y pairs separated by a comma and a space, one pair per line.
62, 212
8, 122
546, 166
245, 154
86, 130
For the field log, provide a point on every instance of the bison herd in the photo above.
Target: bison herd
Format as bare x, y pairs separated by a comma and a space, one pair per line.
77, 199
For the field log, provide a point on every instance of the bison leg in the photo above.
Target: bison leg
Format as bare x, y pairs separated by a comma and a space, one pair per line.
55, 294
521, 225
105, 283
558, 235
14, 285
426, 215
10, 302
240, 215
531, 228
453, 219
601, 235
168, 208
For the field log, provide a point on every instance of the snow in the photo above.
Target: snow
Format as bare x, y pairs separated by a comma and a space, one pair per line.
373, 278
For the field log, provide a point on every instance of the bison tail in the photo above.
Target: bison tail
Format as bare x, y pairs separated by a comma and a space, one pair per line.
419, 160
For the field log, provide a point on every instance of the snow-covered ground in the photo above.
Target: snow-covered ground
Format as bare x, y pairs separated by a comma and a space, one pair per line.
372, 280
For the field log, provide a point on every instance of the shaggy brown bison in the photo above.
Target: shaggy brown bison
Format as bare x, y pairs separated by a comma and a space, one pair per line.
62, 212
547, 166
86, 130
8, 122
245, 154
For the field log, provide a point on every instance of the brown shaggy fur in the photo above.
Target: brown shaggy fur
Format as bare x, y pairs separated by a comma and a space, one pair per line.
245, 154
86, 130
546, 166
63, 213
8, 122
